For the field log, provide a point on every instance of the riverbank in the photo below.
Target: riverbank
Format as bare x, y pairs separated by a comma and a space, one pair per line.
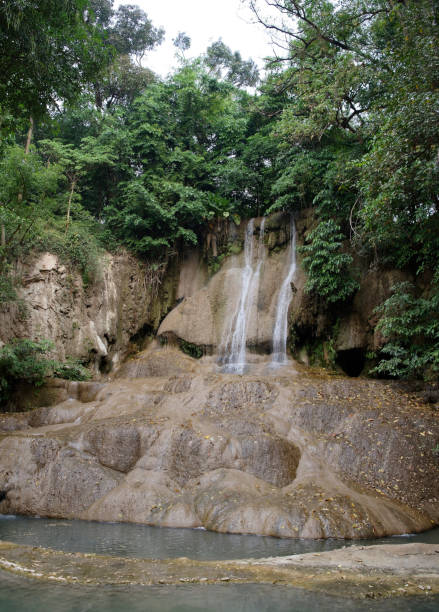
356, 572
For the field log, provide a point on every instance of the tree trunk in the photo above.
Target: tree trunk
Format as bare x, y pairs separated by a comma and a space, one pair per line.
27, 148
3, 238
29, 135
69, 204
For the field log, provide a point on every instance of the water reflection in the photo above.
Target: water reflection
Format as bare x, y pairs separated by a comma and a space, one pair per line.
142, 541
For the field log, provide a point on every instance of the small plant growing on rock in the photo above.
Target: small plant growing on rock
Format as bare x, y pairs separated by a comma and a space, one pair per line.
28, 361
190, 349
326, 264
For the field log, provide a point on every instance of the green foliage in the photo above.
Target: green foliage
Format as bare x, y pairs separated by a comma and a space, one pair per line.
131, 32
225, 63
182, 42
8, 292
27, 191
184, 135
24, 360
327, 266
71, 369
321, 351
410, 327
34, 196
48, 50
79, 248
190, 349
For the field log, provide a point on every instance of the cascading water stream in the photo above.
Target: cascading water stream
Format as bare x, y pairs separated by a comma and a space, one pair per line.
254, 287
234, 358
280, 332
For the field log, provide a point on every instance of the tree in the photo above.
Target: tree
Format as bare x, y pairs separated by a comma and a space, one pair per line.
48, 50
131, 34
327, 265
362, 86
74, 163
186, 136
27, 189
182, 42
121, 83
410, 326
229, 65
27, 361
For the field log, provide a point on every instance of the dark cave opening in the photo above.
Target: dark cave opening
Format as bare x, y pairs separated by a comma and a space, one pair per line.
140, 336
352, 361
105, 364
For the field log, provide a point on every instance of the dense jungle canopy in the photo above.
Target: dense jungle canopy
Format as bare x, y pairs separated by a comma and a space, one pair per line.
98, 152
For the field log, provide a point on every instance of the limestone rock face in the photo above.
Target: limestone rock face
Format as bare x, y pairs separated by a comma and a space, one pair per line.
290, 453
93, 323
205, 314
207, 306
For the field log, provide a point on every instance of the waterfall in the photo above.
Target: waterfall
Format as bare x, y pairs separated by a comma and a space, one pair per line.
234, 353
280, 333
254, 285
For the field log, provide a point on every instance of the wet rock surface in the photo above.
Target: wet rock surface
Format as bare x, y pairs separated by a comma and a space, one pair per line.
357, 572
288, 453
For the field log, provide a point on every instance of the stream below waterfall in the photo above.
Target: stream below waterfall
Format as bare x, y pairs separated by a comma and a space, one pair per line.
143, 541
19, 595
128, 540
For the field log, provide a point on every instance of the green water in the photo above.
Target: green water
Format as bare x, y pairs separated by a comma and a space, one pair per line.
141, 541
21, 594
18, 595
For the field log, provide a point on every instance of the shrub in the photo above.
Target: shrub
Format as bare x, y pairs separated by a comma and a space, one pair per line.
327, 266
190, 349
79, 248
410, 326
7, 289
24, 360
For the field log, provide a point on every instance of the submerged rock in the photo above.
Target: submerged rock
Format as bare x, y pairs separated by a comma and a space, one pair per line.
355, 572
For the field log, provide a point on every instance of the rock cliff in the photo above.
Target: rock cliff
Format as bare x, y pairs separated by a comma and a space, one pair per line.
129, 300
170, 442
94, 323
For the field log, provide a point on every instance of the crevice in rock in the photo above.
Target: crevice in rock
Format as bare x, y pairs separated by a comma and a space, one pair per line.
110, 339
352, 361
141, 334
105, 364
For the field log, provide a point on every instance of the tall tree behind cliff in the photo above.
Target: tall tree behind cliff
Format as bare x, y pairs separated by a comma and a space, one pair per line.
48, 50
364, 73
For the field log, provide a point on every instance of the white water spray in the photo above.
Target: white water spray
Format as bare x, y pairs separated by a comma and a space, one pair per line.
234, 353
280, 333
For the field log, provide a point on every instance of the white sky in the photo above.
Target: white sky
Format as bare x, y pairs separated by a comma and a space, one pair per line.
205, 21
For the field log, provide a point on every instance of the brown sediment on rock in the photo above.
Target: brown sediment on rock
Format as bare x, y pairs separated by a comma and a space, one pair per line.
294, 454
354, 572
99, 323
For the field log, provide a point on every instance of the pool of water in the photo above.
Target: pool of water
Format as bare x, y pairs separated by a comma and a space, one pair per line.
124, 539
18, 594
142, 541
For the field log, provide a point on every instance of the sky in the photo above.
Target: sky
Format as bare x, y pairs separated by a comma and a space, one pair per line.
205, 21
